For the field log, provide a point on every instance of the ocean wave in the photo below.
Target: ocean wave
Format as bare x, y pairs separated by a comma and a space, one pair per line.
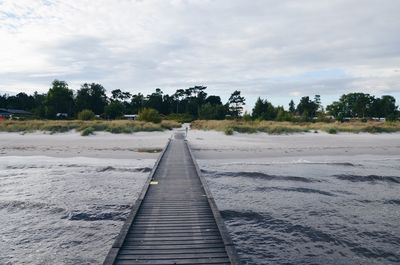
230, 214
138, 169
100, 169
295, 162
345, 164
382, 236
96, 216
94, 213
297, 189
15, 167
22, 205
285, 228
369, 178
397, 202
259, 175
267, 221
107, 212
375, 253
392, 201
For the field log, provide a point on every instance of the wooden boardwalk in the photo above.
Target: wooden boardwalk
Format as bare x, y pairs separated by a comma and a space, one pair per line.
175, 219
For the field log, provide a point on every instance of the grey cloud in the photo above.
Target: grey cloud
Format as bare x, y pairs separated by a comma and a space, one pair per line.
258, 46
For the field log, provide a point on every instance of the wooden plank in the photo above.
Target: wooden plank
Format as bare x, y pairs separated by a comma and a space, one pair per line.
176, 241
169, 247
168, 256
206, 225
175, 217
169, 230
171, 233
188, 209
177, 214
174, 261
174, 238
176, 220
171, 251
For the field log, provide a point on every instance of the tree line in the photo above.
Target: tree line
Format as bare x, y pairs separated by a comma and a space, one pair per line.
349, 106
192, 103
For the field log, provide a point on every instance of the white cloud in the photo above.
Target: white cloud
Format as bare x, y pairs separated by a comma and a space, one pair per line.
270, 48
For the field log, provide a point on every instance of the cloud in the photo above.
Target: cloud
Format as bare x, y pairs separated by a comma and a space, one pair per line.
270, 48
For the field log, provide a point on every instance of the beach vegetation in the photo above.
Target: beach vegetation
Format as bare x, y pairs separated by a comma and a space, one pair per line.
332, 130
87, 131
58, 126
228, 131
193, 103
86, 115
274, 127
149, 115
179, 117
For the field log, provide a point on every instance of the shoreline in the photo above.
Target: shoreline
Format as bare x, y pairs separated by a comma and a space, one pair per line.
205, 144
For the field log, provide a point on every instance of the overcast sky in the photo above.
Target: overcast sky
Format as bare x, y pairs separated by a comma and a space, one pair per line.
275, 49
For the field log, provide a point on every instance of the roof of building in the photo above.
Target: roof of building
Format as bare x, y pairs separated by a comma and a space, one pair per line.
15, 111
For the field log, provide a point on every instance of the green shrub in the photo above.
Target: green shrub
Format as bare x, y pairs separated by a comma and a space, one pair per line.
377, 129
244, 129
115, 129
149, 115
182, 118
87, 131
228, 131
86, 115
332, 131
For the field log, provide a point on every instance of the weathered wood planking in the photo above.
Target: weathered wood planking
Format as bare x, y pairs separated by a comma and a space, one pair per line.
175, 219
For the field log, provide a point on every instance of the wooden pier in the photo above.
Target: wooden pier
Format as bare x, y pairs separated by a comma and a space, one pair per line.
175, 219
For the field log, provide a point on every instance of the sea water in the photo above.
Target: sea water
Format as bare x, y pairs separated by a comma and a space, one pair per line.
314, 210
65, 210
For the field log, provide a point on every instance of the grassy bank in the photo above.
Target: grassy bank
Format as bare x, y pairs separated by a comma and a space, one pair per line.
273, 127
85, 127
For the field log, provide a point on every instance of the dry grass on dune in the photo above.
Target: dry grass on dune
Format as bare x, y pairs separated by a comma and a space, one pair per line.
274, 127
85, 127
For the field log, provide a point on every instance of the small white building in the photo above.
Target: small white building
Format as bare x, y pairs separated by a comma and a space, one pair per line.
130, 116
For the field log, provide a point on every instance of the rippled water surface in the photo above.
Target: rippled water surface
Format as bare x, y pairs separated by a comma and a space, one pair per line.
64, 210
318, 210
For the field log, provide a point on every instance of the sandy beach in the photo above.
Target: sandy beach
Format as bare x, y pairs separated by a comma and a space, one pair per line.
206, 145
141, 145
216, 145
